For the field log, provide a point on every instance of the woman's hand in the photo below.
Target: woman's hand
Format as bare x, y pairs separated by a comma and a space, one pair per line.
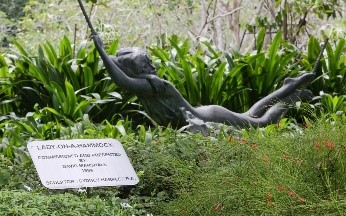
156, 83
97, 40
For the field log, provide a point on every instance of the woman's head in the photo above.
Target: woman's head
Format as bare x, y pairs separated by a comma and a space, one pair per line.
134, 62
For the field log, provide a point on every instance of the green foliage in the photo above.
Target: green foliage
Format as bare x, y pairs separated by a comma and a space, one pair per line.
201, 78
166, 163
13, 8
276, 174
329, 105
64, 93
333, 104
6, 93
331, 73
4, 177
236, 82
263, 72
297, 19
274, 171
66, 84
26, 203
16, 132
336, 67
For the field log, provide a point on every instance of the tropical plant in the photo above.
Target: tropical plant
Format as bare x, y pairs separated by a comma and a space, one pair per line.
16, 131
331, 73
263, 72
200, 77
233, 80
6, 92
66, 84
330, 104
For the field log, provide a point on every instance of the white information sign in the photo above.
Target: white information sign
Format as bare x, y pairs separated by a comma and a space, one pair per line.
82, 163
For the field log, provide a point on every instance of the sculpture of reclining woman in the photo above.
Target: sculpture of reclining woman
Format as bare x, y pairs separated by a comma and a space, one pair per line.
132, 70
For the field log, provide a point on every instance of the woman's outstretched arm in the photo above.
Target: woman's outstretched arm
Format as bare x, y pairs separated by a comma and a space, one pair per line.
117, 75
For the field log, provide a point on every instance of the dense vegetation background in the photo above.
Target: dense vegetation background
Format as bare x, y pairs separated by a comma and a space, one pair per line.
227, 52
225, 23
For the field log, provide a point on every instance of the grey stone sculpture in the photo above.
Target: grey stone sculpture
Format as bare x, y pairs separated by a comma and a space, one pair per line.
132, 70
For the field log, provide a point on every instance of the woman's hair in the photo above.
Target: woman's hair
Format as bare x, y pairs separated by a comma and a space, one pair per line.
133, 61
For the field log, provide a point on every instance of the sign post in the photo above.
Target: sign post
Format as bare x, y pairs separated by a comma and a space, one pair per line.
82, 163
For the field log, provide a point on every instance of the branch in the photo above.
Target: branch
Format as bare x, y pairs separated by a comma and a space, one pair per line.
219, 16
86, 17
206, 10
226, 14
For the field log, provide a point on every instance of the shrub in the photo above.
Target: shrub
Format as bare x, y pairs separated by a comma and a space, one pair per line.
65, 84
27, 203
276, 174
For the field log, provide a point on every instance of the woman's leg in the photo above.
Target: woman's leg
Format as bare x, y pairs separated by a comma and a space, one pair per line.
289, 87
275, 112
219, 114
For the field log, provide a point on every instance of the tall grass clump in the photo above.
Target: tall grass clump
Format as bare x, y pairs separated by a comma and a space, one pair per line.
273, 174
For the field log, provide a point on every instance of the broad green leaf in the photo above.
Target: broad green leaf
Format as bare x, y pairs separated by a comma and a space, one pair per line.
4, 68
116, 95
88, 77
71, 75
36, 73
160, 54
273, 51
53, 111
121, 129
313, 49
217, 82
65, 50
331, 61
70, 97
339, 50
260, 39
284, 61
20, 48
27, 127
51, 54
81, 54
59, 93
112, 50
80, 110
212, 50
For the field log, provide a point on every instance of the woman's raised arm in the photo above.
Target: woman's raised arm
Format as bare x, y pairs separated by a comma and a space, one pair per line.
117, 75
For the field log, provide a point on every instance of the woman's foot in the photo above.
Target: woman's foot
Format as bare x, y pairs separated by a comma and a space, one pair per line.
297, 81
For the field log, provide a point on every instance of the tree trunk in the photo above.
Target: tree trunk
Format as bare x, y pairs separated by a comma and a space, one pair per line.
233, 19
